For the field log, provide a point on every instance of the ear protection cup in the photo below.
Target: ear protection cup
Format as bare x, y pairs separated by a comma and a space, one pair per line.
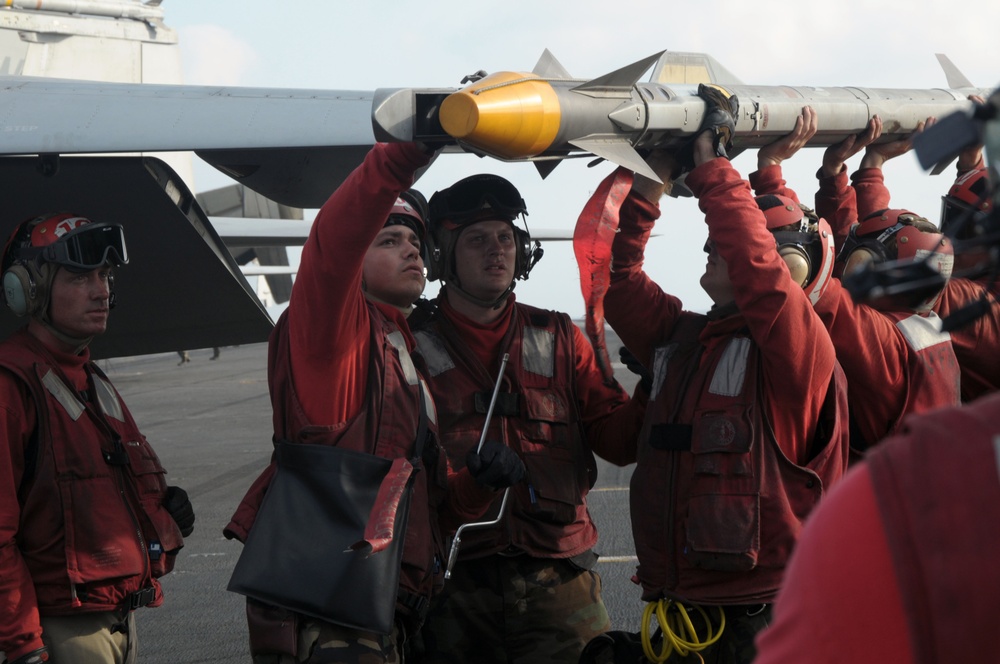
798, 262
433, 258
860, 258
19, 290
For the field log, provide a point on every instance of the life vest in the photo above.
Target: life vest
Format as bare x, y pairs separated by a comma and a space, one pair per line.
938, 495
386, 426
93, 529
536, 416
716, 506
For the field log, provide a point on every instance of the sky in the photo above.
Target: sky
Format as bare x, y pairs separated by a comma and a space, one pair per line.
333, 44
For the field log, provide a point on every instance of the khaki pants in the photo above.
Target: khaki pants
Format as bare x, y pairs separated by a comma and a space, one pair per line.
86, 638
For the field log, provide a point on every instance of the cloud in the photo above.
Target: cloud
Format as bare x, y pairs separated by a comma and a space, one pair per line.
213, 55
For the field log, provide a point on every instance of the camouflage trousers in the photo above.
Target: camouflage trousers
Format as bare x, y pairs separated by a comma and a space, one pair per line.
515, 610
324, 643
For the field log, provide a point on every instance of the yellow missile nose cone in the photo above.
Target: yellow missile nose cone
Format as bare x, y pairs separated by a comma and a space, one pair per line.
507, 114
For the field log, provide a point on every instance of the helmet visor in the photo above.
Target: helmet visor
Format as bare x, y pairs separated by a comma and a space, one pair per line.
471, 198
88, 247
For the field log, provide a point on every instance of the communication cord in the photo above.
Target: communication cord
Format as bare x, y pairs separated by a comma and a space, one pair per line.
678, 631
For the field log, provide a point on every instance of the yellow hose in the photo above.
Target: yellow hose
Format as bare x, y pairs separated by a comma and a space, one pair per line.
679, 633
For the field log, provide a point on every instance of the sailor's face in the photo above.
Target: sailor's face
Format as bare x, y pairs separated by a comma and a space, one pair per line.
716, 280
393, 269
485, 255
79, 302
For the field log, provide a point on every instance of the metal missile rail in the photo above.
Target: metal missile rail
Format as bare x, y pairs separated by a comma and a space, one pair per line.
546, 116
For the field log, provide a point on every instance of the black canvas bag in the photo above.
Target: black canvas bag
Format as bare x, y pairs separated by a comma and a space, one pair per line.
298, 554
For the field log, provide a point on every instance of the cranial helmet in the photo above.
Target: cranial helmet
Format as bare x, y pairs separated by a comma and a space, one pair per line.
410, 210
804, 242
476, 198
897, 235
968, 196
39, 246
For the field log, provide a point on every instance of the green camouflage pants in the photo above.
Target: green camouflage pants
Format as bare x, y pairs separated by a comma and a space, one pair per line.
514, 610
323, 643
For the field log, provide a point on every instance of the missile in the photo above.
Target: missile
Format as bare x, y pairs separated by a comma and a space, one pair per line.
545, 115
110, 8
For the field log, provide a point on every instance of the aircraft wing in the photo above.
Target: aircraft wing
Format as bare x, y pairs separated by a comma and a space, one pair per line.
292, 145
244, 232
181, 288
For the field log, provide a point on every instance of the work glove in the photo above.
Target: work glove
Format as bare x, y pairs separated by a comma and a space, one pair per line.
34, 657
495, 466
638, 368
176, 502
721, 109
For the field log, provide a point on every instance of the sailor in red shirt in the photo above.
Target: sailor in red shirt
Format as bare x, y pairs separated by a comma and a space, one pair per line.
894, 353
341, 374
972, 282
746, 426
87, 522
525, 589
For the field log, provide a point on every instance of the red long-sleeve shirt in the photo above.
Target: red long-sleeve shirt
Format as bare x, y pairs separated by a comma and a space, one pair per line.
797, 355
975, 344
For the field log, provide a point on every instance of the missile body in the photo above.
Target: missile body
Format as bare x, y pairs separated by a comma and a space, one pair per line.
111, 8
518, 116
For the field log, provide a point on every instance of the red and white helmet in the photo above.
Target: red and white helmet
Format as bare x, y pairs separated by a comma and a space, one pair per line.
804, 242
895, 235
410, 210
969, 195
41, 244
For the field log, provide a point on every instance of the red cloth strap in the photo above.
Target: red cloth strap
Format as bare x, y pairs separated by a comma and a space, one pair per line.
382, 520
592, 238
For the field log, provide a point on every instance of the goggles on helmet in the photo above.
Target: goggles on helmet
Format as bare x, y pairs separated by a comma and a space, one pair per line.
959, 219
475, 195
86, 247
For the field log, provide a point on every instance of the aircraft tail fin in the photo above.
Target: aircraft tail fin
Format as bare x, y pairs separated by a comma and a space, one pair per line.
679, 67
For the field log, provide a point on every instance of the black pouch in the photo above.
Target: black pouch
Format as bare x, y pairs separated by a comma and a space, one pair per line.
273, 630
300, 553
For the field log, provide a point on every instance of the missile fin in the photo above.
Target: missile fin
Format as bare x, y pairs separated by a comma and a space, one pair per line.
619, 82
617, 151
549, 67
956, 79
546, 166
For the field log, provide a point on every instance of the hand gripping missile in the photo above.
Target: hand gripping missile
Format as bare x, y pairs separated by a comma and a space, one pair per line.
545, 116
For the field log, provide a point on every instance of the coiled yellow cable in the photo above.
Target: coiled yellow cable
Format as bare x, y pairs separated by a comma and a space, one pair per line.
679, 633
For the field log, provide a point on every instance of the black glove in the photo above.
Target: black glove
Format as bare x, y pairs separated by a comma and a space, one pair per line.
721, 109
176, 502
635, 366
496, 466
33, 657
